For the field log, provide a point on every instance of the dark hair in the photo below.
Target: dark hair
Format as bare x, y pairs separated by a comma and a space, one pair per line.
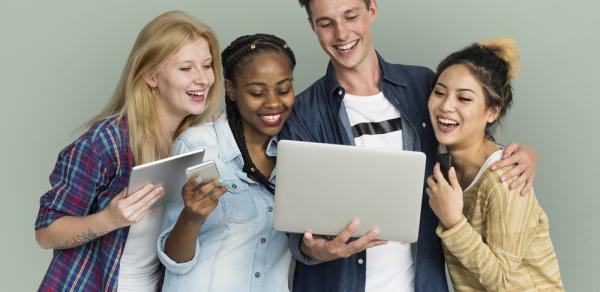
494, 63
306, 5
237, 54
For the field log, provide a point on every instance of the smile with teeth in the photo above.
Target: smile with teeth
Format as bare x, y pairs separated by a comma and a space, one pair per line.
195, 92
447, 122
269, 118
346, 47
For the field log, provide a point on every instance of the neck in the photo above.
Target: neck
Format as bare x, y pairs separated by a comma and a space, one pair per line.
257, 143
469, 159
170, 123
362, 80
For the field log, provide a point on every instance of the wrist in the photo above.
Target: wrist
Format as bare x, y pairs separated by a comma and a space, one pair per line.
189, 217
451, 221
107, 221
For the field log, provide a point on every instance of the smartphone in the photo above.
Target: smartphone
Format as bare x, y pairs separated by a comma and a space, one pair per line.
445, 161
206, 171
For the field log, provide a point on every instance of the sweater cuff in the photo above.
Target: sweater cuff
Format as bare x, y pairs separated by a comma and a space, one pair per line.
456, 235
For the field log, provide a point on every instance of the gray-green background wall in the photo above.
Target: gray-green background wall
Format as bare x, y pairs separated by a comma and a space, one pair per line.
60, 61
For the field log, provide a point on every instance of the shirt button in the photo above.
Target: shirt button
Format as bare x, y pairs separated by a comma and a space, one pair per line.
270, 209
263, 240
361, 261
340, 92
257, 274
234, 186
424, 125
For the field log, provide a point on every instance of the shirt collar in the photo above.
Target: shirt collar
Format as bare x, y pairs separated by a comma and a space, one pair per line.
228, 147
389, 73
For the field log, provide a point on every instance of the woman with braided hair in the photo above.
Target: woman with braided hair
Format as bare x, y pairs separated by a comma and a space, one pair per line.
493, 238
221, 237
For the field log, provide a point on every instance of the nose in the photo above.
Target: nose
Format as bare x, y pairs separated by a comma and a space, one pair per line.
202, 77
341, 31
448, 104
272, 100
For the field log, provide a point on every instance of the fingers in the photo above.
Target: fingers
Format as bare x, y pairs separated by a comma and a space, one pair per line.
510, 150
362, 243
526, 188
510, 156
453, 179
146, 204
131, 199
345, 234
437, 173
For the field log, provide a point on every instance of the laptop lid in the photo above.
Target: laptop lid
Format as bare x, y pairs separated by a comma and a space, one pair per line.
322, 187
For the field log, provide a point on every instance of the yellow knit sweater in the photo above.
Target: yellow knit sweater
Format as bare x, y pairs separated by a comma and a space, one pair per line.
502, 243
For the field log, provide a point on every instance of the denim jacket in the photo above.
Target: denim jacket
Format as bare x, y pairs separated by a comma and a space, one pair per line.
319, 116
237, 249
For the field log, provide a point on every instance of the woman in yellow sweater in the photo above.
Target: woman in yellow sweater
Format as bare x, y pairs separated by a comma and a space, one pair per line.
493, 238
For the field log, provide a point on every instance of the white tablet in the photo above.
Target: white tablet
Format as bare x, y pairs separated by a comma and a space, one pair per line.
322, 187
168, 172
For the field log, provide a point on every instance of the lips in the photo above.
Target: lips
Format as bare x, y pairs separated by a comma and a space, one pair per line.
196, 95
347, 47
446, 125
271, 120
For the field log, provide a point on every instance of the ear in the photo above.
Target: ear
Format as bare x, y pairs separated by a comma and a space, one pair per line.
229, 89
372, 10
150, 79
492, 114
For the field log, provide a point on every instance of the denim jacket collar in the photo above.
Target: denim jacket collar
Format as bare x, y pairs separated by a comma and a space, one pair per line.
335, 89
230, 151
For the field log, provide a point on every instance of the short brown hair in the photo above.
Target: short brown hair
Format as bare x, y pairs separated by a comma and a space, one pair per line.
306, 5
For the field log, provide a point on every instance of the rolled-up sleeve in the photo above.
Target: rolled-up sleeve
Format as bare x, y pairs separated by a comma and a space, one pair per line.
171, 214
75, 181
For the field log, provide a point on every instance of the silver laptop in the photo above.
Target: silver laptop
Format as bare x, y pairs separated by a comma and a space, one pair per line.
168, 172
322, 187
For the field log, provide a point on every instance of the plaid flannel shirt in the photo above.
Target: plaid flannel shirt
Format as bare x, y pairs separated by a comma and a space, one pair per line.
87, 175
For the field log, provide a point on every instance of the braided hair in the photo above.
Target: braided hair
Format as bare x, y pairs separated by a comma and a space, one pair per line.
494, 63
234, 57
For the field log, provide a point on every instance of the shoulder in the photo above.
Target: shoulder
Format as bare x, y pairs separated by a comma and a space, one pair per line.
108, 135
492, 189
315, 91
199, 136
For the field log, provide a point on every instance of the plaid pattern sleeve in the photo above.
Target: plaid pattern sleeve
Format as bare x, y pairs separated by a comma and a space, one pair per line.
74, 180
87, 175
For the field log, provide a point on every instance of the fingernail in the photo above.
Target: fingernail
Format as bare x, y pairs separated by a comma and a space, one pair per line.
494, 167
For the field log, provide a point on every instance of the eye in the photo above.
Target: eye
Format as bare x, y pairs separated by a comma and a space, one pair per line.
464, 99
438, 93
256, 94
185, 69
207, 66
352, 17
325, 24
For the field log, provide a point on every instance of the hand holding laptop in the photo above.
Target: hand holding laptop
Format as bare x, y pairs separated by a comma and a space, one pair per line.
326, 248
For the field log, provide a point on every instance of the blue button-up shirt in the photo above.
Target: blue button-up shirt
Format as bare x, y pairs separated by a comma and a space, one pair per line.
319, 116
237, 249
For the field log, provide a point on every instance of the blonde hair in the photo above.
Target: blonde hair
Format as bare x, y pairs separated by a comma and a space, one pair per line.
507, 50
133, 98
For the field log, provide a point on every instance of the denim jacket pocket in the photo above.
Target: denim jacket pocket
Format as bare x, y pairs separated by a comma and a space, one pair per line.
238, 207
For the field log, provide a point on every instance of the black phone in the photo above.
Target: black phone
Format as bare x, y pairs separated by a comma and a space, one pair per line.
445, 161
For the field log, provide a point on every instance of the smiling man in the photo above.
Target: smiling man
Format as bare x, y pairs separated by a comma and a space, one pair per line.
365, 101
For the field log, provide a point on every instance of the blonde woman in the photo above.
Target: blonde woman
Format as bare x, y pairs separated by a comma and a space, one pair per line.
104, 240
493, 238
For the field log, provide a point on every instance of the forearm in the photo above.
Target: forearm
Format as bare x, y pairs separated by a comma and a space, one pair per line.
180, 245
72, 231
492, 270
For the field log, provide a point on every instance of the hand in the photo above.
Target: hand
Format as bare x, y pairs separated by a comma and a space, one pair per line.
124, 210
524, 159
323, 249
446, 200
200, 199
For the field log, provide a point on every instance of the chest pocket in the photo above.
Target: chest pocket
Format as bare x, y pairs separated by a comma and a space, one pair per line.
237, 203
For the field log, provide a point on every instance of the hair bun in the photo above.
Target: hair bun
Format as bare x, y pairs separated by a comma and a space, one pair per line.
507, 50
